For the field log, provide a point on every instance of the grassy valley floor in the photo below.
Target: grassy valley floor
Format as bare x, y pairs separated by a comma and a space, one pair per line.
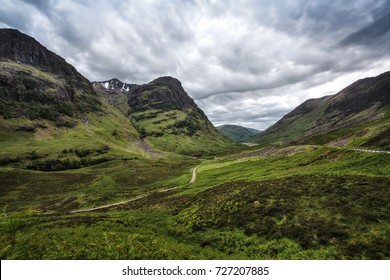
298, 202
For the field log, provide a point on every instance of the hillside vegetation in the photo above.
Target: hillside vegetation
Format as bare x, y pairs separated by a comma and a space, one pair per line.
298, 202
355, 116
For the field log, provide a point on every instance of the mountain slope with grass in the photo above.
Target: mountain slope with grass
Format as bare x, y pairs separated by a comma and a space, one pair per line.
36, 83
170, 120
165, 116
51, 118
237, 133
358, 115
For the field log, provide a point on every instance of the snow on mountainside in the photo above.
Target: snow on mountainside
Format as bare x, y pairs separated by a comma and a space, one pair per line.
114, 84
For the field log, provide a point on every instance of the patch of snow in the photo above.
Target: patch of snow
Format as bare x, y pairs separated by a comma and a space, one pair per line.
106, 85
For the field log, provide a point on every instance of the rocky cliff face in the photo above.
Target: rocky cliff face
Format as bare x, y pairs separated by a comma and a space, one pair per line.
165, 115
163, 92
21, 48
37, 83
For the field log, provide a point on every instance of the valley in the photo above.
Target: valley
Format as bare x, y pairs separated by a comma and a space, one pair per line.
114, 170
299, 202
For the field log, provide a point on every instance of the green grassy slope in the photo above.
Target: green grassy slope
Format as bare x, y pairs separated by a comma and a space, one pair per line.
105, 135
170, 120
35, 92
184, 132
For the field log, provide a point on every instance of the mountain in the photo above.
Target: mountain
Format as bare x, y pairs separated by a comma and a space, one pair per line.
165, 116
170, 120
51, 111
37, 83
51, 118
237, 133
358, 115
114, 85
115, 92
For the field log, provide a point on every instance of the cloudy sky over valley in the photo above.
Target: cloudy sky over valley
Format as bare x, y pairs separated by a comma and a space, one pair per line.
244, 62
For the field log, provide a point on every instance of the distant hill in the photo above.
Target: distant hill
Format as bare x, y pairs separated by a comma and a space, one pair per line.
237, 133
358, 115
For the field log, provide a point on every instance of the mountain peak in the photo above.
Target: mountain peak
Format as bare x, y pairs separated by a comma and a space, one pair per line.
160, 93
37, 83
167, 80
113, 85
24, 49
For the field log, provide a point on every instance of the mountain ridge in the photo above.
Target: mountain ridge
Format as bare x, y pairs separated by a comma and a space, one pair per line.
37, 83
165, 115
42, 92
364, 102
162, 91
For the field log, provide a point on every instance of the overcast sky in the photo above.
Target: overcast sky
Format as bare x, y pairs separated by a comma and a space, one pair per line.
244, 62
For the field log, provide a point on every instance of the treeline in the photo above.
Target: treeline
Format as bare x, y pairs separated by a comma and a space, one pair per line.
65, 163
66, 159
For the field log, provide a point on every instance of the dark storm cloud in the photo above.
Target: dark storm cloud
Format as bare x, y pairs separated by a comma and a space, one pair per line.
43, 5
15, 17
246, 61
376, 34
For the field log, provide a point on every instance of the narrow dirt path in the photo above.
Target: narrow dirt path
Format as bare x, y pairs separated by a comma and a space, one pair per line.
134, 198
194, 174
120, 202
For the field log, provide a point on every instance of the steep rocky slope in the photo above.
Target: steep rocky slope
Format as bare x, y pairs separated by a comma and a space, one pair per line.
48, 107
37, 83
355, 116
167, 117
